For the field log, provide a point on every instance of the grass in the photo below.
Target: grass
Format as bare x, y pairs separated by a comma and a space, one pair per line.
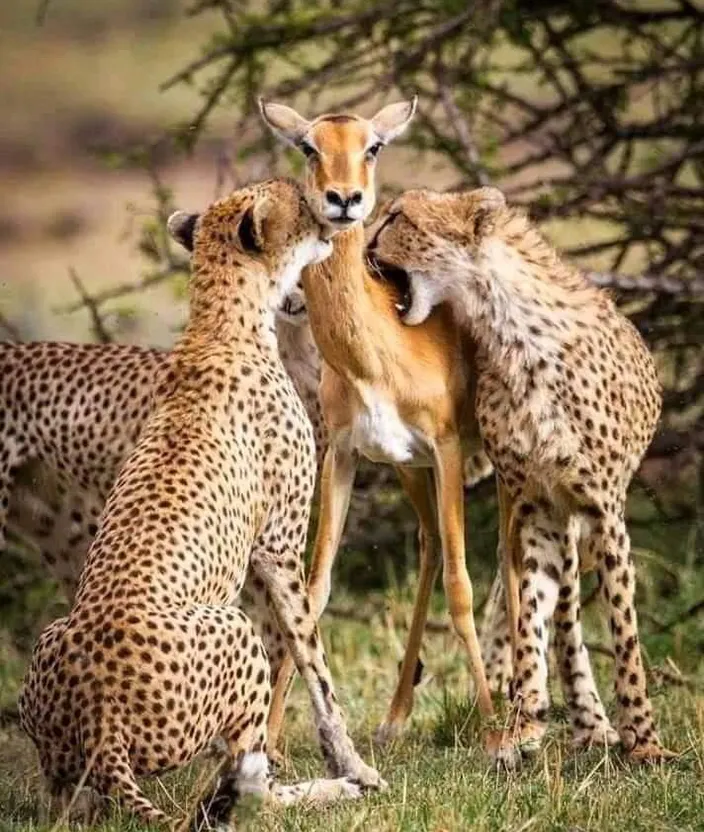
438, 777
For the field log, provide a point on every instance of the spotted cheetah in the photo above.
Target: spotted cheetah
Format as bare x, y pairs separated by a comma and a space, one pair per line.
567, 402
60, 456
153, 662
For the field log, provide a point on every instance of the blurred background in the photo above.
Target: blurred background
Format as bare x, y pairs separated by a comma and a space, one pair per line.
590, 114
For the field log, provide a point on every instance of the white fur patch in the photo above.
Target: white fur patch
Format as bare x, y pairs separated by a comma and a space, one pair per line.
352, 212
253, 771
425, 294
308, 252
380, 434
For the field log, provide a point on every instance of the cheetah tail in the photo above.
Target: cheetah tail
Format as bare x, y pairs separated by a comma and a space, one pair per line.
477, 468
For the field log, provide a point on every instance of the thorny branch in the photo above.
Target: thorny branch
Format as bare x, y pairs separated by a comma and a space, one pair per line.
590, 114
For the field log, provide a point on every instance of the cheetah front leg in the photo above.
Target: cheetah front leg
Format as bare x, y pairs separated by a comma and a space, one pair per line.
297, 621
539, 536
495, 639
636, 727
8, 461
336, 483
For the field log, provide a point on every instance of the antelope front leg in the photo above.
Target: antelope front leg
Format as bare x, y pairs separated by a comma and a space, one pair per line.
418, 485
336, 483
458, 587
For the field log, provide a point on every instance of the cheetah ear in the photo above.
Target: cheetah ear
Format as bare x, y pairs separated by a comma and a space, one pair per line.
284, 122
482, 207
257, 225
181, 227
247, 232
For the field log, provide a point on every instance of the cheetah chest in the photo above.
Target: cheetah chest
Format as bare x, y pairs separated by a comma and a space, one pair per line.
533, 426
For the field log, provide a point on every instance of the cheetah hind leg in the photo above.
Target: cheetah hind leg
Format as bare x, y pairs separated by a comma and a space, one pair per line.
495, 640
79, 805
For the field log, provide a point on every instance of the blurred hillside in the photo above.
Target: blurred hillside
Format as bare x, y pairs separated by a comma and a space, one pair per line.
81, 85
77, 86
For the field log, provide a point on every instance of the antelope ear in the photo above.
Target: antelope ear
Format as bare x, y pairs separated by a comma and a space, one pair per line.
482, 206
284, 121
181, 227
393, 119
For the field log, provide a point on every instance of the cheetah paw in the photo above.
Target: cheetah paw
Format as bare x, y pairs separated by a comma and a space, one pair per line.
530, 738
367, 778
651, 752
597, 736
317, 792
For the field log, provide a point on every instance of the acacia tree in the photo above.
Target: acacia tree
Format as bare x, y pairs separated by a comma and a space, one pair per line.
589, 114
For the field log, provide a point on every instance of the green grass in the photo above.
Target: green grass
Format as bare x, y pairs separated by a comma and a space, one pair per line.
438, 777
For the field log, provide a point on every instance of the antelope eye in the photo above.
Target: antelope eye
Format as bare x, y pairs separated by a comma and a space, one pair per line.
373, 151
308, 150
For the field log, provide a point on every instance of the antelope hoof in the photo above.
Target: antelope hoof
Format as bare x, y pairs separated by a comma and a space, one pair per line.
501, 750
387, 733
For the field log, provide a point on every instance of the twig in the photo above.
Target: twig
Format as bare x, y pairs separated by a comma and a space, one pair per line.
123, 289
42, 9
595, 647
680, 618
464, 136
100, 332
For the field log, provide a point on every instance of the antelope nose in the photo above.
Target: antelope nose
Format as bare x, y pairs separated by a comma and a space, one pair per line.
335, 198
339, 200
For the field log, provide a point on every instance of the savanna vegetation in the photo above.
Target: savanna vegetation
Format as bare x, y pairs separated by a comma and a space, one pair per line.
590, 115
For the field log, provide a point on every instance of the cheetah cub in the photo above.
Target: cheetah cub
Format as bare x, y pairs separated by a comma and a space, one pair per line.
153, 662
568, 400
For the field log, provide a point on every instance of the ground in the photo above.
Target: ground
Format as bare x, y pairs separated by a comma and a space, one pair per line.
439, 779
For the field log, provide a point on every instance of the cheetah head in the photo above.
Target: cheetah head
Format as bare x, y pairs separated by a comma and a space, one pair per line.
266, 229
341, 152
416, 241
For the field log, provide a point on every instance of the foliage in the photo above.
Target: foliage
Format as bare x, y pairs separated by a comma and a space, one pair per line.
588, 114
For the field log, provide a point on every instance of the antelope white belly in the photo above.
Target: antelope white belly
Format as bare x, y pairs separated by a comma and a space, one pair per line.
379, 433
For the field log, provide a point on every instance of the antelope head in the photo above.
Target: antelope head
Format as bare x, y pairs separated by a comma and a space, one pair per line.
341, 152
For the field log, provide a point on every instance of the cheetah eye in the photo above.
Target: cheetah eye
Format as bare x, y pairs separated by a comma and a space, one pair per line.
308, 150
373, 151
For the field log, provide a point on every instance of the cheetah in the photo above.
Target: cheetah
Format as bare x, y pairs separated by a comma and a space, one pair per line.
153, 662
60, 457
567, 402
69, 415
